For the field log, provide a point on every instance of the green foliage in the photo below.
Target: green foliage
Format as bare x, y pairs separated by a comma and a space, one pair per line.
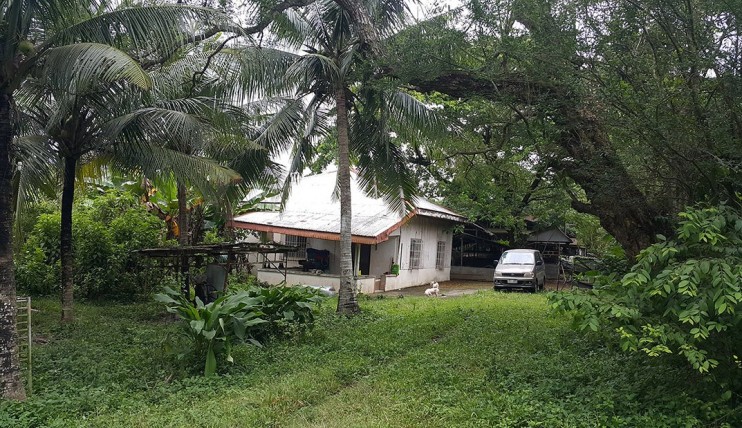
213, 328
106, 230
288, 309
491, 359
94, 257
38, 269
251, 315
682, 297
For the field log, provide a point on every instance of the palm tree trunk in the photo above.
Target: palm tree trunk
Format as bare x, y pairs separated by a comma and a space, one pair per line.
347, 303
11, 386
66, 252
183, 236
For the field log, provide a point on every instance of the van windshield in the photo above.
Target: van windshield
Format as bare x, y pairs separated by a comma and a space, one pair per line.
517, 259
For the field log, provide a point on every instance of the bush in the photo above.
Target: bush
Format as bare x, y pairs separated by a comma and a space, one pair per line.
105, 232
213, 328
38, 270
682, 297
95, 269
251, 316
288, 309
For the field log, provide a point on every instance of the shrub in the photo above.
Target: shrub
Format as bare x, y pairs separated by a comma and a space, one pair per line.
105, 233
38, 271
683, 296
132, 230
36, 275
289, 309
250, 316
213, 328
95, 270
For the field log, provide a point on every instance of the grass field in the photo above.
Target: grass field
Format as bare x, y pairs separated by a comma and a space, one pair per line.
485, 360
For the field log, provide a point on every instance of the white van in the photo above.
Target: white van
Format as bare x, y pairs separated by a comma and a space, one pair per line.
520, 269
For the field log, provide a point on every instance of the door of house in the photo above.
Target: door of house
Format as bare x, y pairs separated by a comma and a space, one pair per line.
365, 261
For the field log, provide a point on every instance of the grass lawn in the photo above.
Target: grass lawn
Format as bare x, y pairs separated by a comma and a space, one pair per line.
489, 360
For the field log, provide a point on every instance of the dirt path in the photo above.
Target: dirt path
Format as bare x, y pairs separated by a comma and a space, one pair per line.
457, 288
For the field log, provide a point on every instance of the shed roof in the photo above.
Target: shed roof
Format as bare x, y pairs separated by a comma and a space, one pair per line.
554, 235
312, 211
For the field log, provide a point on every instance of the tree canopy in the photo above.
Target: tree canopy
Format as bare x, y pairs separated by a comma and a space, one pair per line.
634, 103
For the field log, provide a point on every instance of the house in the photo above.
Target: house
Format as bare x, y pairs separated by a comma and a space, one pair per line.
391, 250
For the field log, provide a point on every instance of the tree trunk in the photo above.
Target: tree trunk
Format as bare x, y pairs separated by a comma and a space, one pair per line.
11, 386
619, 204
183, 237
361, 17
66, 252
347, 303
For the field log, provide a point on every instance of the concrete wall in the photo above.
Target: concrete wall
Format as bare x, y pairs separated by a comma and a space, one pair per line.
472, 273
383, 256
364, 284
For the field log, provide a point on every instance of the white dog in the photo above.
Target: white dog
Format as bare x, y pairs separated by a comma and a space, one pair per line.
433, 290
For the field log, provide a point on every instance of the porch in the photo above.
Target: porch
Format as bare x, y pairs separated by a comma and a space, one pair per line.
366, 284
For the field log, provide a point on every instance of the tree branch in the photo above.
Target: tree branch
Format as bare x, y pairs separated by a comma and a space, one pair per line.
258, 27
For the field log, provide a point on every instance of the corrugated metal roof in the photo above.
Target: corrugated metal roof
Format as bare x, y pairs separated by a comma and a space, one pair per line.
312, 208
551, 235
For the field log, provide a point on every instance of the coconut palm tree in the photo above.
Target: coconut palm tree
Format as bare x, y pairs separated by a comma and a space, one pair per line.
29, 31
335, 72
80, 118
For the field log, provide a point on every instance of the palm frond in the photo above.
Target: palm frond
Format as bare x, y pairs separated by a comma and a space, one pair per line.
82, 67
314, 67
171, 127
283, 126
258, 71
36, 174
291, 28
409, 112
146, 30
382, 167
389, 15
156, 161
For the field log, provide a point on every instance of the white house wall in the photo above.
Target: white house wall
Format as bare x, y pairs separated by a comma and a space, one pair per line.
430, 231
383, 255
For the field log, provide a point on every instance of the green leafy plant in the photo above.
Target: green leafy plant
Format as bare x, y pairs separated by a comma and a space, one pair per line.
251, 315
213, 328
107, 229
683, 296
289, 309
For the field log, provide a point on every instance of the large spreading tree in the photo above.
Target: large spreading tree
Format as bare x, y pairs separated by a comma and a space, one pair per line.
636, 103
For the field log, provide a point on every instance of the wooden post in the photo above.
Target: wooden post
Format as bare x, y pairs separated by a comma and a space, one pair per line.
30, 364
357, 261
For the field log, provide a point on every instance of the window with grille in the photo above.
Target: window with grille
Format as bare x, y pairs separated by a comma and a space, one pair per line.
416, 246
296, 241
440, 255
